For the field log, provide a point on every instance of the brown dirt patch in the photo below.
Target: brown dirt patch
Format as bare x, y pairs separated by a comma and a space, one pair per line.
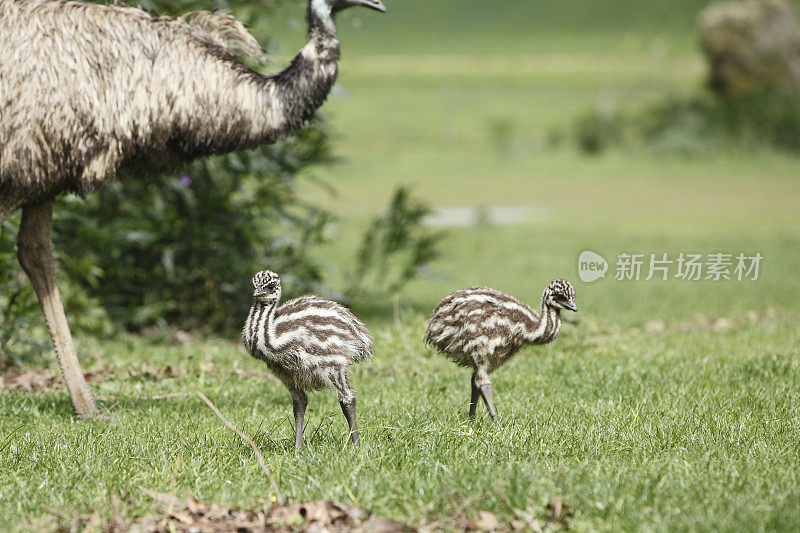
43, 379
189, 515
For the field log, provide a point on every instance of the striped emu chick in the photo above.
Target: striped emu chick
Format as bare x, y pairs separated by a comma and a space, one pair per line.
482, 328
308, 343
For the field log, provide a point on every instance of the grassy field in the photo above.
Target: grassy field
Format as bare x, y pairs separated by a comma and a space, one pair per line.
688, 429
668, 405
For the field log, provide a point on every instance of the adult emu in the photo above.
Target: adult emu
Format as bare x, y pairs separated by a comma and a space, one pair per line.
89, 92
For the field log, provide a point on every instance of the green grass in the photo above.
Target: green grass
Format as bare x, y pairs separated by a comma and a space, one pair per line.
694, 428
690, 429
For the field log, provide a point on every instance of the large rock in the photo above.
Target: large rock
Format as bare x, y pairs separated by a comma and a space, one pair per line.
751, 45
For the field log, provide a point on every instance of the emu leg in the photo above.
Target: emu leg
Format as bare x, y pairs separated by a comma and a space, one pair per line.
486, 392
480, 381
473, 401
349, 410
299, 403
347, 399
36, 257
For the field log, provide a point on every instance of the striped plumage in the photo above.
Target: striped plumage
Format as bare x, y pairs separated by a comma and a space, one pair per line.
482, 328
308, 343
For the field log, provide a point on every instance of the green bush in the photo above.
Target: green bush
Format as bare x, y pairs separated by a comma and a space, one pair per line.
23, 333
699, 124
178, 251
394, 250
596, 131
181, 251
18, 306
772, 115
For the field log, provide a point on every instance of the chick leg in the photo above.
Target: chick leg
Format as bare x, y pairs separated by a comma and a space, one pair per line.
480, 380
347, 400
299, 403
486, 392
473, 402
349, 410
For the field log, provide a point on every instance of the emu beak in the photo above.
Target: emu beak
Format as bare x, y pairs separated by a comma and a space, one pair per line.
571, 306
372, 4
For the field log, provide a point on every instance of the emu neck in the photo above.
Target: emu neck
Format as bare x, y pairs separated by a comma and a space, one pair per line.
547, 327
319, 16
262, 323
293, 96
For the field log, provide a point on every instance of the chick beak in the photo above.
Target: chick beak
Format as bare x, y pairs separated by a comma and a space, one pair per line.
570, 305
264, 296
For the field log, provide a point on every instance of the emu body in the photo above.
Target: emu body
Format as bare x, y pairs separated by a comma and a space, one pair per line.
89, 92
308, 343
483, 328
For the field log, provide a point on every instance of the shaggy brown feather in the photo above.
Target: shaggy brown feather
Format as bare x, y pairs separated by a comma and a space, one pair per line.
89, 91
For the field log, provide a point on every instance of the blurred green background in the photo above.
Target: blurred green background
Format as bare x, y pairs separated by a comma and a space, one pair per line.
475, 104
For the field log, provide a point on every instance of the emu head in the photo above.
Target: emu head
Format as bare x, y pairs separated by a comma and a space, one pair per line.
267, 287
338, 5
334, 6
560, 294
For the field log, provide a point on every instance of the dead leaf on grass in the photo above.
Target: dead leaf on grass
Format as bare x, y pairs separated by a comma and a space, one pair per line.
43, 379
558, 510
31, 380
655, 326
191, 515
485, 521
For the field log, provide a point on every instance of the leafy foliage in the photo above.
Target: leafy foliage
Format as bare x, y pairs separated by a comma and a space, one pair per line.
23, 334
698, 124
181, 251
596, 131
394, 249
18, 305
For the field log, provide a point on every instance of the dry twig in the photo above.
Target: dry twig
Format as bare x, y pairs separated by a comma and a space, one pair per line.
247, 440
